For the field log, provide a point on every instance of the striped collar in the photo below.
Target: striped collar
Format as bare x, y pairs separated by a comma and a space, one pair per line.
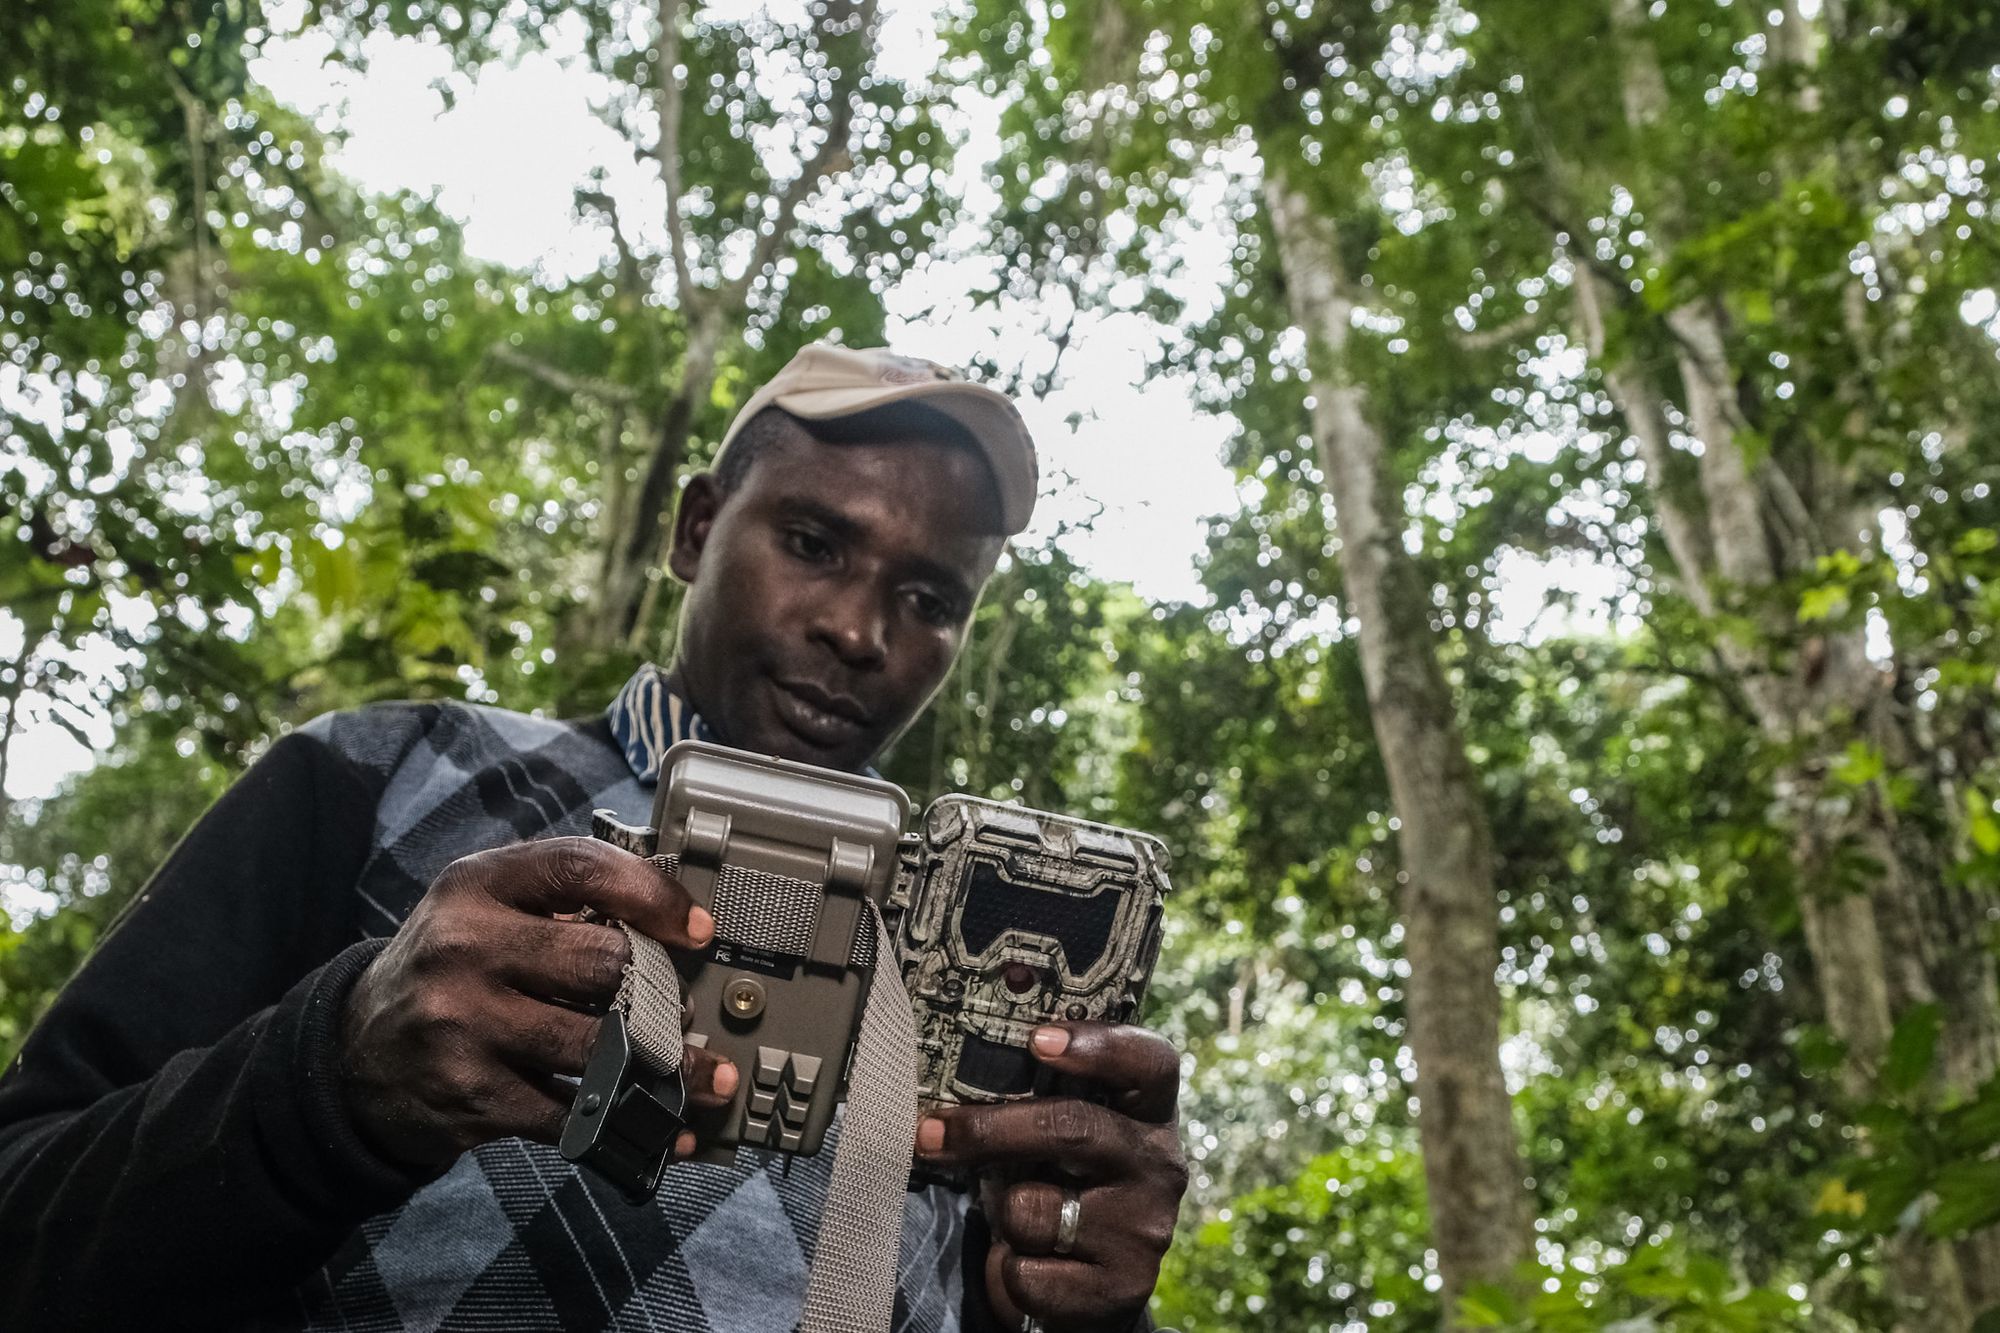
647, 717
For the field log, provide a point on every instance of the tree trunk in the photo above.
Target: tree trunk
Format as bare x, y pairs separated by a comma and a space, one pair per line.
636, 539
1472, 1166
1901, 939
711, 305
11, 690
1646, 418
1903, 936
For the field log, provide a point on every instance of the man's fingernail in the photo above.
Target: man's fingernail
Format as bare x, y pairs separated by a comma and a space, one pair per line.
725, 1080
1050, 1041
930, 1135
701, 925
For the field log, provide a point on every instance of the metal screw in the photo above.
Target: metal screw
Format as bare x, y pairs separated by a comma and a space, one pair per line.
1076, 1013
744, 997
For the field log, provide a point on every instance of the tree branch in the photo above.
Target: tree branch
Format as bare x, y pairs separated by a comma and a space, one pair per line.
1800, 526
633, 275
1046, 382
1485, 340
198, 182
10, 694
1643, 406
832, 155
587, 385
666, 60
1723, 681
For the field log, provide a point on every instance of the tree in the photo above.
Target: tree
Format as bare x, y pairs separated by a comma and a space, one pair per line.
1236, 80
1733, 259
291, 450
1450, 915
756, 248
1691, 298
109, 169
1756, 337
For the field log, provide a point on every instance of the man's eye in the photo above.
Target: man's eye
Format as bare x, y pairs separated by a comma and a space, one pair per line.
932, 609
808, 546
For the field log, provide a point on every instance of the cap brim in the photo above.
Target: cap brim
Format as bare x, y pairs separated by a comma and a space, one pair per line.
988, 416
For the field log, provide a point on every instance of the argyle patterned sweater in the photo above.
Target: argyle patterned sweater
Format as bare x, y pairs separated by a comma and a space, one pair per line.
174, 1152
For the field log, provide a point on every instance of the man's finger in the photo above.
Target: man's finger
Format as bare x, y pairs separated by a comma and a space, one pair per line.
1029, 1218
1008, 1314
576, 962
711, 1080
1087, 1141
1139, 1069
531, 1035
534, 1109
560, 875
1063, 1293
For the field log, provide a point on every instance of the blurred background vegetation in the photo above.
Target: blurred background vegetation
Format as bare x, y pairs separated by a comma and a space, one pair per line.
1637, 974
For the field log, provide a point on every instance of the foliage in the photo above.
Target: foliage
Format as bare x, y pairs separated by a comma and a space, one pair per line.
269, 447
1478, 162
1337, 1235
1657, 1290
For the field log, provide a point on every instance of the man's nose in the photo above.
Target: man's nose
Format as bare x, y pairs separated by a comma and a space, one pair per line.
854, 623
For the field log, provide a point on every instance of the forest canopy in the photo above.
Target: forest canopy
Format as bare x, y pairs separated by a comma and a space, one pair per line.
1634, 969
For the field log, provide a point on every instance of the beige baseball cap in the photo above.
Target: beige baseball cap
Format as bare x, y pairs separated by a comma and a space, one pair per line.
824, 382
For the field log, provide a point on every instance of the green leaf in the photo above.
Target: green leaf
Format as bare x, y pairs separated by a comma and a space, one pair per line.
1820, 1052
1912, 1048
333, 575
1980, 823
1968, 1199
1825, 602
1837, 1200
1487, 1306
1860, 765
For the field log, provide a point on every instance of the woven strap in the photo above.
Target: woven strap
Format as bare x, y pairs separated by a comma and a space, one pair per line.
852, 1285
759, 910
650, 999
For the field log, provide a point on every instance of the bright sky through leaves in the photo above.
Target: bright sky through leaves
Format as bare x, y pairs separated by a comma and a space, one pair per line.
1131, 468
506, 155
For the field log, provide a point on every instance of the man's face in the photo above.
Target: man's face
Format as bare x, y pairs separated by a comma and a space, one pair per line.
829, 592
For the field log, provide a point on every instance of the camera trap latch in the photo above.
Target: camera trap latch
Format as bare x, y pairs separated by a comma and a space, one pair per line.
627, 1114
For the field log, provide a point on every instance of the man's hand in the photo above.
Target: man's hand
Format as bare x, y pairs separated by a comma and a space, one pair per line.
455, 1033
1122, 1163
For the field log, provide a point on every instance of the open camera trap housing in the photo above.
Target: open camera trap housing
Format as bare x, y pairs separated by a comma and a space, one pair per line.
1003, 918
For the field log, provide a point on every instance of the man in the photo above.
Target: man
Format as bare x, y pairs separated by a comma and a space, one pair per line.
310, 1079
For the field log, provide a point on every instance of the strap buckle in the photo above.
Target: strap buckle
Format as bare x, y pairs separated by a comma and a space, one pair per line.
626, 1115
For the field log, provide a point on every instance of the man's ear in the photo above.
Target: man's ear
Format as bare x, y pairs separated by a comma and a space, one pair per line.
694, 518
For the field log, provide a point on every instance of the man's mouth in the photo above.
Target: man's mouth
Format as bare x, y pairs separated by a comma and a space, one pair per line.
817, 716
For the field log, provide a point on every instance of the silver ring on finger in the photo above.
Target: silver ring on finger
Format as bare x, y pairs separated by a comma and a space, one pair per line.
1067, 1222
